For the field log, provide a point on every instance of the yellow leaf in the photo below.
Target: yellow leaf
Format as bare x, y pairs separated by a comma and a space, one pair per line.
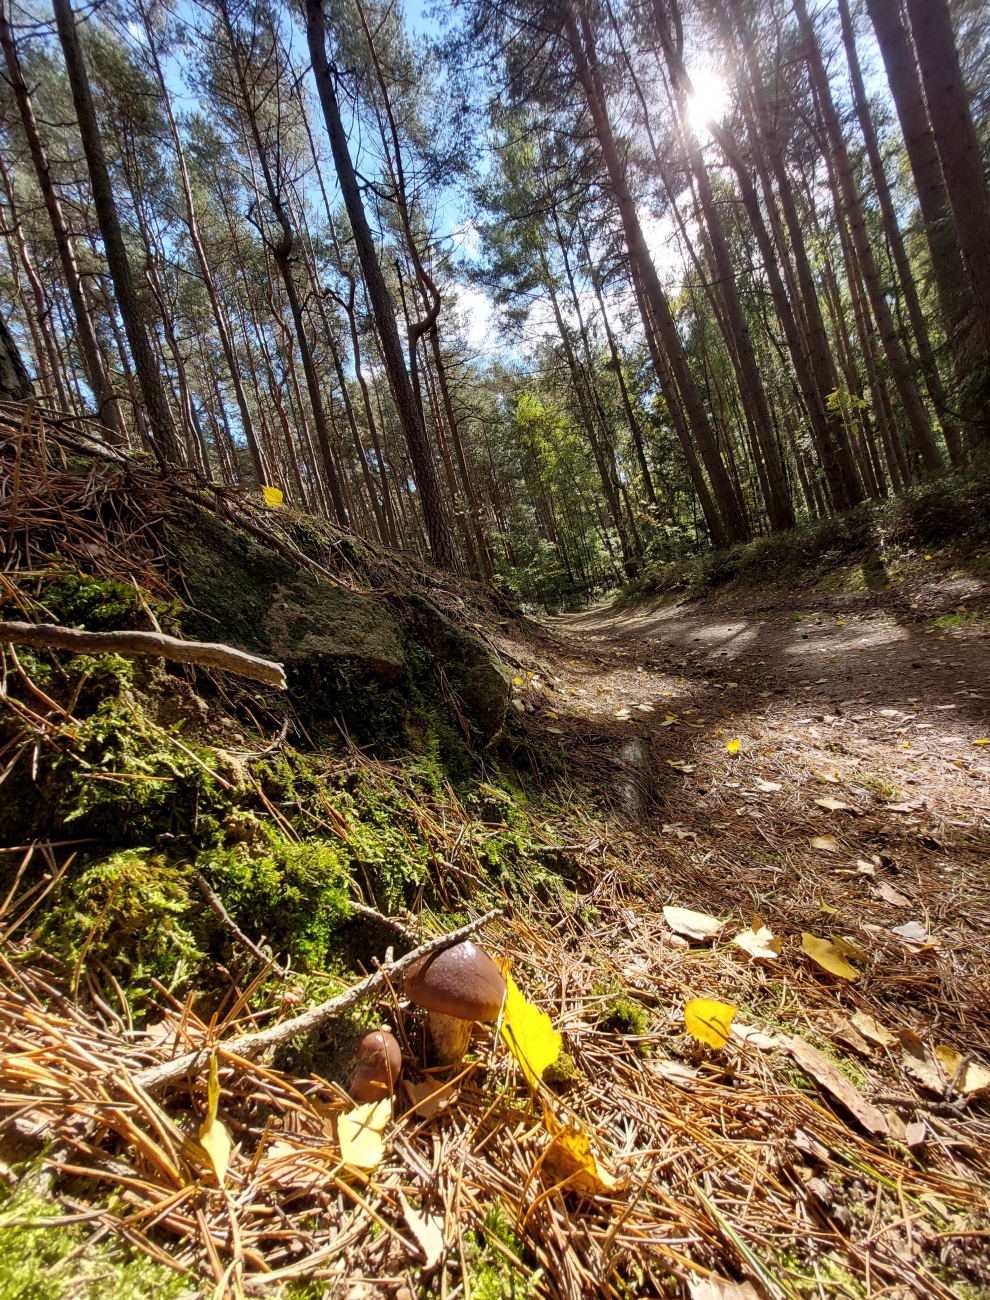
518, 681
570, 1159
981, 742
733, 746
528, 1033
709, 1021
849, 946
825, 843
826, 955
273, 496
834, 805
359, 1132
759, 941
967, 1077
692, 925
213, 1137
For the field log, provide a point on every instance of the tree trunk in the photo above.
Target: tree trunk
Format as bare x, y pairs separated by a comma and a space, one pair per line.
948, 271
957, 145
410, 418
15, 382
165, 441
658, 320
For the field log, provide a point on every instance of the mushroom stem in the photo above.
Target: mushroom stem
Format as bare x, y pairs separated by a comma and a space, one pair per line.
450, 1036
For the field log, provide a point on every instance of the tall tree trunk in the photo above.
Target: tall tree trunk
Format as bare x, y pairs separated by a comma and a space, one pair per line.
165, 441
957, 145
410, 416
658, 320
15, 382
949, 273
848, 198
92, 357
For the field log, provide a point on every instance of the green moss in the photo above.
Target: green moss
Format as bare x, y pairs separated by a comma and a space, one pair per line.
44, 1263
623, 1016
493, 1276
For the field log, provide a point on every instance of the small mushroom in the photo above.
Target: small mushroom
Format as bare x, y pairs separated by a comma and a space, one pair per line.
455, 987
379, 1064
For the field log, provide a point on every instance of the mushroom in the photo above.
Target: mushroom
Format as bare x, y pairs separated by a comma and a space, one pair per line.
455, 987
379, 1064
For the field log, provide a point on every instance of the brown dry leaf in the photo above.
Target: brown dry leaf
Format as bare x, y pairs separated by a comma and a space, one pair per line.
427, 1231
912, 932
759, 941
909, 1135
674, 1071
825, 843
872, 1030
848, 1034
831, 1078
967, 1077
827, 955
890, 895
717, 1288
753, 1037
834, 805
429, 1097
919, 1063
767, 787
570, 1159
698, 926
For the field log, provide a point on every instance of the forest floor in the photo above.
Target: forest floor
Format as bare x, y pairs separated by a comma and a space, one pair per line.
821, 760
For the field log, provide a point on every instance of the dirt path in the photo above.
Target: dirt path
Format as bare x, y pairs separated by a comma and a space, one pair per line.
729, 735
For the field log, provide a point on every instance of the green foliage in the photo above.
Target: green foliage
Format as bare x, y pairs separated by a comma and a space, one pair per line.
43, 1263
294, 894
493, 1276
101, 604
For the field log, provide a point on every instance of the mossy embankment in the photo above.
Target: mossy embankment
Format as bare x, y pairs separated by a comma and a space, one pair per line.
129, 784
849, 550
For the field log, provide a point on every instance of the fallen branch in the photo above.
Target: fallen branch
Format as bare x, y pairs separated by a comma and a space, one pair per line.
274, 1036
209, 654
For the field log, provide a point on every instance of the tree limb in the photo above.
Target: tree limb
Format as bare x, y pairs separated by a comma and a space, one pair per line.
210, 654
275, 1035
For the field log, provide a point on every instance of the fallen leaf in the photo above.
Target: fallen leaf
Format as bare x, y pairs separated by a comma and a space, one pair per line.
528, 1033
890, 895
826, 843
429, 1097
709, 1021
872, 1030
426, 1229
674, 1071
213, 1137
850, 947
909, 1135
754, 1037
826, 955
717, 1288
622, 714
359, 1132
966, 1076
831, 1078
759, 941
909, 806
693, 925
919, 1063
831, 778
733, 746
913, 932
834, 805
569, 1159
273, 496
848, 1034
767, 787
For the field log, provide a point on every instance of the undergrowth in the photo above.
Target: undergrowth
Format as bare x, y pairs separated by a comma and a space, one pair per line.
952, 510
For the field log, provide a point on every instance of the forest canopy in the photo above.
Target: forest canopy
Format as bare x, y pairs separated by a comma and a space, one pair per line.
545, 290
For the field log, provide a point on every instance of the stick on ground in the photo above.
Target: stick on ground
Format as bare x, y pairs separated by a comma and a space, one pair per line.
209, 654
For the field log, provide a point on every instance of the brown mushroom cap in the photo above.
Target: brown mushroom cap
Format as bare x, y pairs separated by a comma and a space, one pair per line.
462, 981
379, 1064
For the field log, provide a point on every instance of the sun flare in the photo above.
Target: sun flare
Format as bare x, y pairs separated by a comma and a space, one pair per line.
709, 99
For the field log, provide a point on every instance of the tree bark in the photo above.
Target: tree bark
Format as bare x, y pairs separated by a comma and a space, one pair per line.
410, 416
165, 441
957, 145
